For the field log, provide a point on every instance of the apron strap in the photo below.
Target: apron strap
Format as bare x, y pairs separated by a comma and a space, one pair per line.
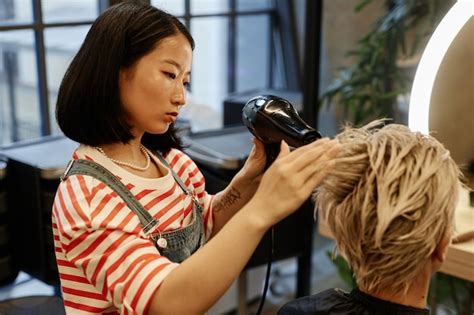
186, 190
85, 167
175, 176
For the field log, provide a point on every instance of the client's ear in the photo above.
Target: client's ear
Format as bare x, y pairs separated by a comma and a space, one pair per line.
439, 254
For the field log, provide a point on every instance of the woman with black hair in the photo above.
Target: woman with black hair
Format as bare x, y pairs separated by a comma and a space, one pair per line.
135, 231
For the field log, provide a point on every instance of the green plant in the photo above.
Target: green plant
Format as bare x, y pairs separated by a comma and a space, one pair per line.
455, 294
369, 88
343, 269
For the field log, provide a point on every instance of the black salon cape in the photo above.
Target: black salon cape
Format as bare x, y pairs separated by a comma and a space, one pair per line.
339, 302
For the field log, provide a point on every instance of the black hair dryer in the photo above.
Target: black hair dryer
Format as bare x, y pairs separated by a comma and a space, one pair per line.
272, 119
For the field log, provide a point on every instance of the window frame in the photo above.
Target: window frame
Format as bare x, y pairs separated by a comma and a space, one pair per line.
277, 12
233, 14
38, 26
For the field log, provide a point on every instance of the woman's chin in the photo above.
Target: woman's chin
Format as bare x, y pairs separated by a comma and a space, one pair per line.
159, 131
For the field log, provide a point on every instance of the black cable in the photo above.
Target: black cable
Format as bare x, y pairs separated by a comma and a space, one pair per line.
267, 277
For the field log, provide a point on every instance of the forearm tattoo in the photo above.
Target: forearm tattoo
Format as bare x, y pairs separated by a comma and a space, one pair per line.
227, 200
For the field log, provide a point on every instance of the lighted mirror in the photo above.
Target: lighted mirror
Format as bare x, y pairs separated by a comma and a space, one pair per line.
442, 96
442, 103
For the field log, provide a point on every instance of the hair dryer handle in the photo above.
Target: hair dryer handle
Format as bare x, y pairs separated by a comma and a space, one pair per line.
271, 150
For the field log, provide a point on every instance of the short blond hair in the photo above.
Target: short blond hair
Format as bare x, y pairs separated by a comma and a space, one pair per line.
389, 202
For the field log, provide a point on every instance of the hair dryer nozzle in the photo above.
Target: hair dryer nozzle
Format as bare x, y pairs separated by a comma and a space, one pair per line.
272, 119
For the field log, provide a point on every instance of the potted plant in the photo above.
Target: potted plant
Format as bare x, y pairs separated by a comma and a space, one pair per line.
369, 88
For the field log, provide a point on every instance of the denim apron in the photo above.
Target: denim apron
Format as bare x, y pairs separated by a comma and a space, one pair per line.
176, 245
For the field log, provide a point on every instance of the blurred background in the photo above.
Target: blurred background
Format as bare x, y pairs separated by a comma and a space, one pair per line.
336, 61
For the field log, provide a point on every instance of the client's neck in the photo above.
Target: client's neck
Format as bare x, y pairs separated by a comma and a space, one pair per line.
415, 297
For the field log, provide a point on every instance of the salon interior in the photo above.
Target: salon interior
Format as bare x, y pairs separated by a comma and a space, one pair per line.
322, 56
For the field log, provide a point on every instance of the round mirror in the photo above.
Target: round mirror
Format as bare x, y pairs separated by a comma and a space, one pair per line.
442, 96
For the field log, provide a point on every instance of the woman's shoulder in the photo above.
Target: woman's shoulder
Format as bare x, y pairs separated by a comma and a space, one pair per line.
86, 152
177, 157
183, 165
82, 182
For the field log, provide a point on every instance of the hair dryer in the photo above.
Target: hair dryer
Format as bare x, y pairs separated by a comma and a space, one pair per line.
272, 119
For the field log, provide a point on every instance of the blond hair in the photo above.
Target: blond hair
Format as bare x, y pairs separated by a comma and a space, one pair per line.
389, 202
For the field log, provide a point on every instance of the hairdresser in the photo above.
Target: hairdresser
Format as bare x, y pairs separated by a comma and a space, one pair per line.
135, 231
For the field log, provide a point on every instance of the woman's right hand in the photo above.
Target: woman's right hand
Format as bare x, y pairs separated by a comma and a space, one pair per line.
291, 179
198, 282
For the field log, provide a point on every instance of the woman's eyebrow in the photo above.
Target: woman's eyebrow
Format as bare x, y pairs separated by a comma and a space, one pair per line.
177, 65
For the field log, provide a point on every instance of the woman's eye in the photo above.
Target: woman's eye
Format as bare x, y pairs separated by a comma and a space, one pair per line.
186, 84
171, 75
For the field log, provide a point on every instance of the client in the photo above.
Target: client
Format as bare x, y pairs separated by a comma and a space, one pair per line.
390, 205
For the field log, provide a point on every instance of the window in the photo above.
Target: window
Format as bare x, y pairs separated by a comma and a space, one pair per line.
37, 41
235, 52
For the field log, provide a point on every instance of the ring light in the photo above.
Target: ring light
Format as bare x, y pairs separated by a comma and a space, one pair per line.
444, 34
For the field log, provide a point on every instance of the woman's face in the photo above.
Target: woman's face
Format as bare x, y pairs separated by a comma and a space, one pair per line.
153, 89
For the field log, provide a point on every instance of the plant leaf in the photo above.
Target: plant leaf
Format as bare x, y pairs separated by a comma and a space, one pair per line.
361, 5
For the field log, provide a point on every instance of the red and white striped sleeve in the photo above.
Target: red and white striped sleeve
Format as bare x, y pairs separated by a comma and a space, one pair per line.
122, 266
192, 177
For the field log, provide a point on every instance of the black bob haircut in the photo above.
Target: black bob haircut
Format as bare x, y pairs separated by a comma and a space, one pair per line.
89, 109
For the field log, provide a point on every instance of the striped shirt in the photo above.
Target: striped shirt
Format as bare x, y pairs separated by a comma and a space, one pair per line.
106, 264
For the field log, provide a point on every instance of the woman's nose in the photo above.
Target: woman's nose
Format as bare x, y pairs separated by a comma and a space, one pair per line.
179, 97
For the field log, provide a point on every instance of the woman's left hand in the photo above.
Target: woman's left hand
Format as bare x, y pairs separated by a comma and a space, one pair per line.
241, 189
251, 173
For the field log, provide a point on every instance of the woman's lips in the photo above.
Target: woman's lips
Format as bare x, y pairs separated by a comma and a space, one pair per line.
171, 117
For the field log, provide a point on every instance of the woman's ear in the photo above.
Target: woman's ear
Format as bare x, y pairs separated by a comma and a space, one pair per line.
122, 76
126, 73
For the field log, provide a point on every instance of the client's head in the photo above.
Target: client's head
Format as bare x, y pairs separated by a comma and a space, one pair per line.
390, 204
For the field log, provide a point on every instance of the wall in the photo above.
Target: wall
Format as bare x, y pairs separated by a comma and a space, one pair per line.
452, 103
341, 28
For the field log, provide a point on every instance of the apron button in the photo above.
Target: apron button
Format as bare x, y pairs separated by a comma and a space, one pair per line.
161, 242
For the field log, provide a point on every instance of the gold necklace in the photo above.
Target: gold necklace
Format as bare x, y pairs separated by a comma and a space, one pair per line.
135, 167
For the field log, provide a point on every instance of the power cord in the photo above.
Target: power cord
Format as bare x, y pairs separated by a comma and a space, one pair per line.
267, 276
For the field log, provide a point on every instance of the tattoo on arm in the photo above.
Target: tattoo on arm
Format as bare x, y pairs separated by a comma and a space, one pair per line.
227, 200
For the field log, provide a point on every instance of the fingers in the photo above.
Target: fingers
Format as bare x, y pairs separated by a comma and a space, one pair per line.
259, 148
317, 171
284, 150
315, 179
308, 154
303, 168
322, 167
256, 141
325, 161
317, 167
